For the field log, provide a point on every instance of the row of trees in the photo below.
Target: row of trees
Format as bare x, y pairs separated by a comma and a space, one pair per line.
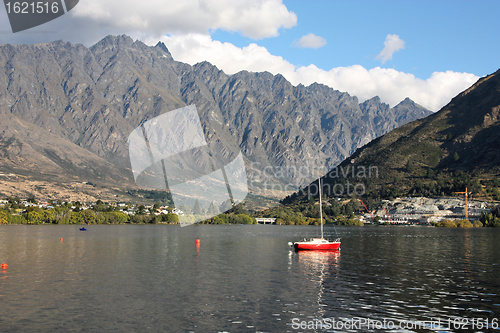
60, 215
491, 219
235, 215
458, 223
102, 213
306, 212
63, 215
230, 218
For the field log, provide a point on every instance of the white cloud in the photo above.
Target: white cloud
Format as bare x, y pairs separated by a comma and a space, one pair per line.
390, 85
91, 20
311, 41
196, 48
392, 44
190, 22
254, 19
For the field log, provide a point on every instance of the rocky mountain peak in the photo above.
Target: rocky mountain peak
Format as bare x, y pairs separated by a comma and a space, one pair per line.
122, 40
160, 45
407, 101
454, 148
92, 98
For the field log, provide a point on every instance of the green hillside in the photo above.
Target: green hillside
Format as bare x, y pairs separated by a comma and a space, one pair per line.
458, 147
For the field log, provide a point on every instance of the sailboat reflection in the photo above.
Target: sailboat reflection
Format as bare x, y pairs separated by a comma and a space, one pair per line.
320, 268
317, 262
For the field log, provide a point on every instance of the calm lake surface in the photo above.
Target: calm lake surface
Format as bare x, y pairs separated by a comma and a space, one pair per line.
246, 279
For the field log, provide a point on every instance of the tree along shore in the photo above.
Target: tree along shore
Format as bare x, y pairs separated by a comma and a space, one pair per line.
16, 211
304, 213
347, 212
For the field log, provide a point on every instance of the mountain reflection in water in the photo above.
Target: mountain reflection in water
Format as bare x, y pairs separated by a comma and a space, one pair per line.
241, 278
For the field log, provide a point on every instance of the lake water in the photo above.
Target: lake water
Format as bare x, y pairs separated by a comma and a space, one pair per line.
246, 279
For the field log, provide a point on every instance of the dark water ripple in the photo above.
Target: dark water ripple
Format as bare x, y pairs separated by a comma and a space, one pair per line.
244, 279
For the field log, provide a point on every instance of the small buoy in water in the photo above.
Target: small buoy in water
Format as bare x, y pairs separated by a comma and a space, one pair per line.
198, 242
4, 265
61, 239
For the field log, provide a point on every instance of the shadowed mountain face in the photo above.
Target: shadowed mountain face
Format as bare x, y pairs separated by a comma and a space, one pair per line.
458, 147
66, 112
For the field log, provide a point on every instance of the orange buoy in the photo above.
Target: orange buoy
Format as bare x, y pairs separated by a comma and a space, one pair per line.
61, 239
4, 265
198, 242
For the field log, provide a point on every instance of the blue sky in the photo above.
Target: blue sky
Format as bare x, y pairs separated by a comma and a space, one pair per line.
426, 50
441, 35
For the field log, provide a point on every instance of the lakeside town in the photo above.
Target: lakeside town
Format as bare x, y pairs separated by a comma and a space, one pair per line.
421, 210
450, 211
31, 211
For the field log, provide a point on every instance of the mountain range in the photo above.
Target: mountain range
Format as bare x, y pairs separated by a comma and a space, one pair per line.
66, 111
454, 149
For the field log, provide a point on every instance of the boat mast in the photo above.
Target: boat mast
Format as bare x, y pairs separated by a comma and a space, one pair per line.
320, 208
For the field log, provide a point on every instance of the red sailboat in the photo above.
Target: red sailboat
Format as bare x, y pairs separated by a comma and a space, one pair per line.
318, 243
